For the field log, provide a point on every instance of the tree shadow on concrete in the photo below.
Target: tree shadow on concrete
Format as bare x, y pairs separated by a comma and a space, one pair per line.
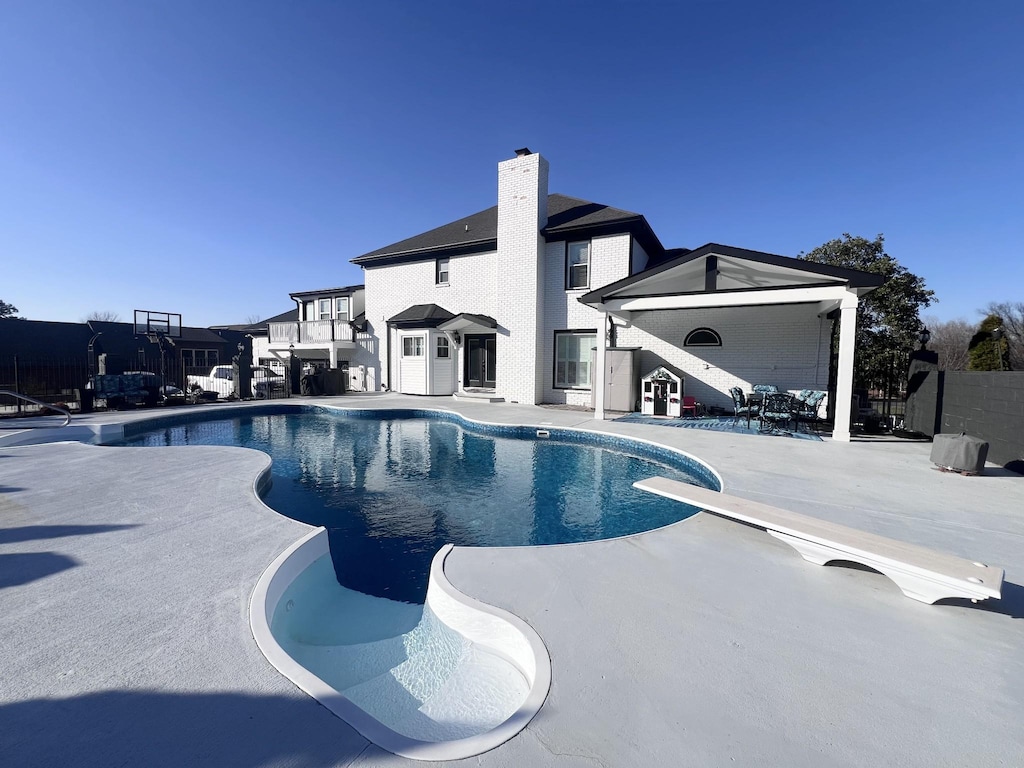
34, 532
150, 728
23, 568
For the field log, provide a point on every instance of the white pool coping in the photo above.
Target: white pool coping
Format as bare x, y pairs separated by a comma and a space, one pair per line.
499, 631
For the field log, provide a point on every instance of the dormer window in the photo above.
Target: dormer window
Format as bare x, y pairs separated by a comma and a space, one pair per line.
577, 265
441, 272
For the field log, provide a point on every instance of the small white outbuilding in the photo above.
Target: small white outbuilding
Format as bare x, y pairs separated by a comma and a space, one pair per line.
662, 391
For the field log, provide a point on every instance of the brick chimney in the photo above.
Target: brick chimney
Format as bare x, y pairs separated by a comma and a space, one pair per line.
522, 214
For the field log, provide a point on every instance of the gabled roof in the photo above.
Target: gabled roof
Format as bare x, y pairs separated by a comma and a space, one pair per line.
467, 320
421, 316
736, 269
567, 217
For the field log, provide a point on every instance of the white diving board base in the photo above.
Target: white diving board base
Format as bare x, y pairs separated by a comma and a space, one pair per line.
922, 574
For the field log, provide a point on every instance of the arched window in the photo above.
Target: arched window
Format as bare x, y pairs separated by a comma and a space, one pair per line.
703, 337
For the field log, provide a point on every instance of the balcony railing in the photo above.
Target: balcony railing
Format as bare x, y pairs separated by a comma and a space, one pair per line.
310, 332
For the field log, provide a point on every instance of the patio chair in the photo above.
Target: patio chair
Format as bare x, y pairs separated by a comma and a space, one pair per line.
740, 406
778, 408
807, 404
690, 405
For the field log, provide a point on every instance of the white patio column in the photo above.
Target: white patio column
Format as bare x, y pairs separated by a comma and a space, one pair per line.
844, 375
600, 366
334, 356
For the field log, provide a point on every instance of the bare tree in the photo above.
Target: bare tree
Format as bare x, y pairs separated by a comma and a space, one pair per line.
950, 339
102, 316
252, 319
1012, 313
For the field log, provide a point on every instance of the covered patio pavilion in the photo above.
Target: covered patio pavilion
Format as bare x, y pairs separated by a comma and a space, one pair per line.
763, 308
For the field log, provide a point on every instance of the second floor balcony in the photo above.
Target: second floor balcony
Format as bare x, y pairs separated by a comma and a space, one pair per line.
311, 332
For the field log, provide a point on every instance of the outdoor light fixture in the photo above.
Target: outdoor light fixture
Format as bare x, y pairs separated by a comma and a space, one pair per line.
455, 337
241, 347
925, 336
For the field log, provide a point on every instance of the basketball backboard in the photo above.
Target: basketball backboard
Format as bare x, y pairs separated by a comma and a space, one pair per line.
148, 323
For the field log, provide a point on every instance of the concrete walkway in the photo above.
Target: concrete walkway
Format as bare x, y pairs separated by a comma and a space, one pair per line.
125, 575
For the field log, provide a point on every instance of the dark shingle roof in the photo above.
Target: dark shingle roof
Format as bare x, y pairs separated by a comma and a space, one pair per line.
42, 339
343, 289
262, 326
473, 234
421, 315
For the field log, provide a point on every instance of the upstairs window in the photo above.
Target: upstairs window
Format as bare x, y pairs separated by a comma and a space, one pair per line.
442, 272
341, 308
325, 309
703, 337
577, 265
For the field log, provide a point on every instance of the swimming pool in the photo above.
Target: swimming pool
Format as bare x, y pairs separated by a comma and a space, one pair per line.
392, 488
359, 614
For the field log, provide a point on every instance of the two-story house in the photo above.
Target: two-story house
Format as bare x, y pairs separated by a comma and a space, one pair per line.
520, 302
489, 304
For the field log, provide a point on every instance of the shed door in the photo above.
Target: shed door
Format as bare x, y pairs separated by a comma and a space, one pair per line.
661, 398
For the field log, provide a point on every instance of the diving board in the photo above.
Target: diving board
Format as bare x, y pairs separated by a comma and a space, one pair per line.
921, 573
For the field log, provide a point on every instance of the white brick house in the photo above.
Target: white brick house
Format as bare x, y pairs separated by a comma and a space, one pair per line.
519, 302
505, 283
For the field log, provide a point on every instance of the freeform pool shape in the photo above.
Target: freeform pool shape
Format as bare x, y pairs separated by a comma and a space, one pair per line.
467, 678
453, 677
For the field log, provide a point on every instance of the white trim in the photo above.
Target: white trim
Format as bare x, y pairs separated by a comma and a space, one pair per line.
498, 630
844, 373
730, 299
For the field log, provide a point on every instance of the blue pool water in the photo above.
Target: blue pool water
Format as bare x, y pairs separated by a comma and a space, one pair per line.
392, 491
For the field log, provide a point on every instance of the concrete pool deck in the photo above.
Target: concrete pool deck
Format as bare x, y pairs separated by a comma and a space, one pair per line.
125, 576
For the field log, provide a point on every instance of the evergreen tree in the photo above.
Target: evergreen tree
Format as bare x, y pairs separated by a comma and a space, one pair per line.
888, 318
989, 351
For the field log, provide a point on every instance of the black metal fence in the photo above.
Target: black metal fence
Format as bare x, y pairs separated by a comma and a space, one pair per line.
70, 381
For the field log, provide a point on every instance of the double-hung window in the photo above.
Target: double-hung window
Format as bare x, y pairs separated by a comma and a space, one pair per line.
412, 346
443, 348
577, 265
341, 308
573, 357
442, 272
325, 309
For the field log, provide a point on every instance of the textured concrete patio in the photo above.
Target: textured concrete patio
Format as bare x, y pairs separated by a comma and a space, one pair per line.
125, 575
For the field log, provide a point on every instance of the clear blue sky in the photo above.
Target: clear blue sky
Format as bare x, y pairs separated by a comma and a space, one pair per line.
208, 158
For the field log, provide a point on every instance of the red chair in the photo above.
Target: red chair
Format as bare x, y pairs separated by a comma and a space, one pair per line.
690, 404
